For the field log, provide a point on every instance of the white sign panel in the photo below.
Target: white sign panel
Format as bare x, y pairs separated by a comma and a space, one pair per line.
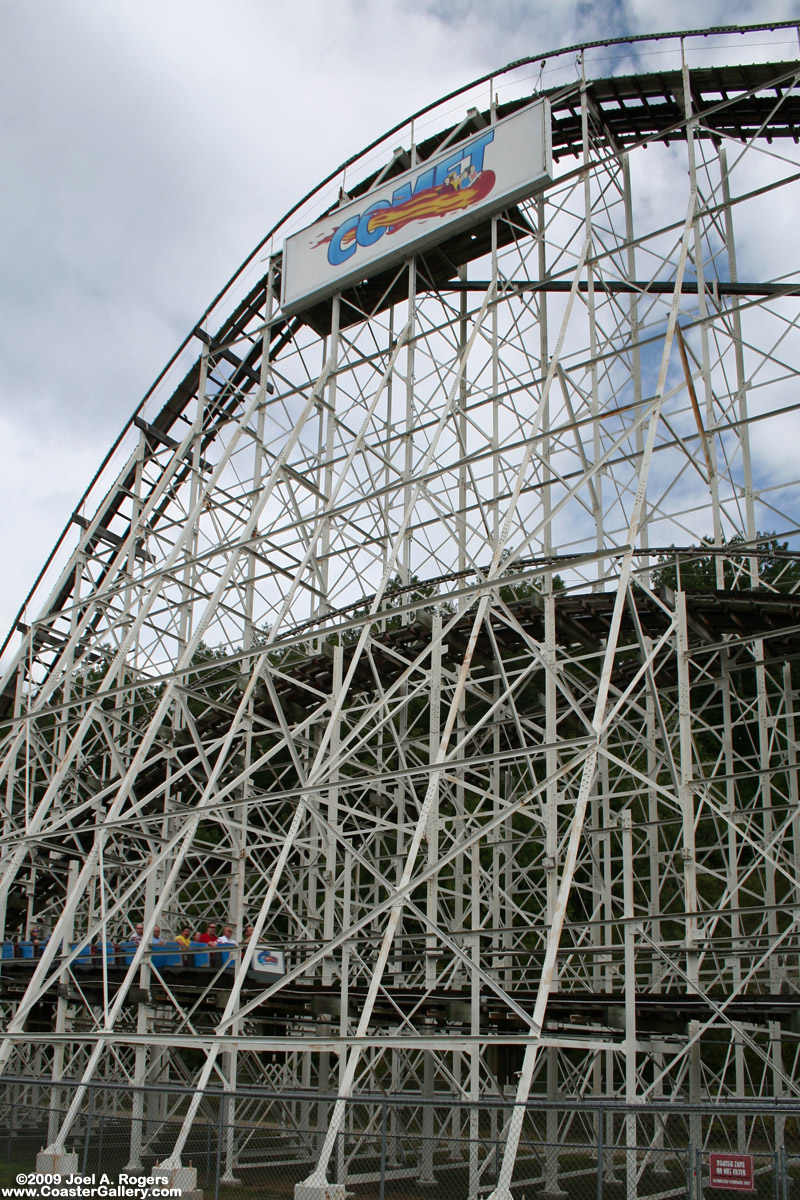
471, 179
267, 962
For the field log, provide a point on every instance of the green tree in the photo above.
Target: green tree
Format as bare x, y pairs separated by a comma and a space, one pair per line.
695, 569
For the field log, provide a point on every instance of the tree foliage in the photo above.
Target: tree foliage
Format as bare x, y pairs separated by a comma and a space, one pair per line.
696, 570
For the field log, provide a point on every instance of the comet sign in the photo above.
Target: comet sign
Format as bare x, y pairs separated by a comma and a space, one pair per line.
468, 181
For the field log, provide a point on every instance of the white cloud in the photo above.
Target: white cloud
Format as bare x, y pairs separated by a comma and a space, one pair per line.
45, 471
147, 147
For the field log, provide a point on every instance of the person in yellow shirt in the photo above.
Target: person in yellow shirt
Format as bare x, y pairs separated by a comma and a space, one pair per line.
184, 940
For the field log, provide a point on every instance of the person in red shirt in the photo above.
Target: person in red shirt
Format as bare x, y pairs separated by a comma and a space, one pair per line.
210, 935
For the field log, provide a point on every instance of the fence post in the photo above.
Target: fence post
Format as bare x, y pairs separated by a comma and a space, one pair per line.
100, 1137
384, 1115
600, 1153
776, 1174
781, 1173
89, 1117
698, 1173
218, 1168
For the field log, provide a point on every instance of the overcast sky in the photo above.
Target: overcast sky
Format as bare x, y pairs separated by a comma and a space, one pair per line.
147, 146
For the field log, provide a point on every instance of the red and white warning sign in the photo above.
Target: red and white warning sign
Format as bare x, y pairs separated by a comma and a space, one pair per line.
732, 1171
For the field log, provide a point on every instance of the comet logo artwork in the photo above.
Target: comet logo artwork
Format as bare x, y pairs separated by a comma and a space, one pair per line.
453, 185
397, 216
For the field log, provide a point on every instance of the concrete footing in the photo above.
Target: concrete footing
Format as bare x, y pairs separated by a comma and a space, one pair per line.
56, 1162
319, 1191
184, 1178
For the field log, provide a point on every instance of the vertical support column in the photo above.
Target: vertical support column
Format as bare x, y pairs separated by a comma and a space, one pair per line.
606, 906
401, 794
495, 334
455, 1116
765, 688
394, 1122
698, 256
329, 877
597, 491
426, 1175
686, 798
474, 1028
188, 589
600, 970
404, 559
305, 1105
61, 1023
741, 378
710, 415
124, 727
550, 1169
230, 1058
494, 498
341, 1147
143, 1014
654, 903
249, 630
432, 831
653, 844
461, 512
633, 319
230, 1065
791, 762
239, 830
350, 897
332, 884
732, 868
344, 999
630, 1004
388, 454
327, 452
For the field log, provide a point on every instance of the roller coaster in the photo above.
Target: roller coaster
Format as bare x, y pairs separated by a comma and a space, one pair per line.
444, 629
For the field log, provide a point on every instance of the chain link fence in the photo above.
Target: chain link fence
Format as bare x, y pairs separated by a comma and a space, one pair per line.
260, 1143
